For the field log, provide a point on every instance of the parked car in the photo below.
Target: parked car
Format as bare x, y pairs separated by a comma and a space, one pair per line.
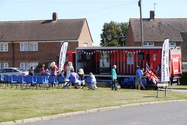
37, 71
13, 71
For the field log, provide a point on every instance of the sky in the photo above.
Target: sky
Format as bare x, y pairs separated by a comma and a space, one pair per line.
97, 12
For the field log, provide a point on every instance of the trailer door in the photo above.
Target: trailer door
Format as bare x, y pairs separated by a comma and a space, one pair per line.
104, 62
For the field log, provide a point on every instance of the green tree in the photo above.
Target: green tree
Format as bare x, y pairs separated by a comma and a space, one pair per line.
114, 34
123, 33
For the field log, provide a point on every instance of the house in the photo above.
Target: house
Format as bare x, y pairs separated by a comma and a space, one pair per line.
184, 48
156, 30
30, 43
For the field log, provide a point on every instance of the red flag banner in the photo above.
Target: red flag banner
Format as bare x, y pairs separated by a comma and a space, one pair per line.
151, 76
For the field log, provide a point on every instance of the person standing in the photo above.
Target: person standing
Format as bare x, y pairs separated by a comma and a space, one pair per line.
43, 69
138, 80
31, 71
53, 69
68, 69
114, 77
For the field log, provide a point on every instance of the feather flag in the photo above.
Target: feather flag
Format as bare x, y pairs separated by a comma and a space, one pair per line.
62, 57
165, 74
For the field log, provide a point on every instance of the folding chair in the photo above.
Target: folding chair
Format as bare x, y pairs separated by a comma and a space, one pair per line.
66, 83
131, 81
53, 81
5, 79
61, 80
30, 81
88, 83
15, 77
74, 82
124, 82
1, 81
11, 81
21, 81
42, 82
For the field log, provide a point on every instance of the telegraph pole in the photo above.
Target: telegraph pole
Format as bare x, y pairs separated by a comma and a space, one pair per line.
141, 22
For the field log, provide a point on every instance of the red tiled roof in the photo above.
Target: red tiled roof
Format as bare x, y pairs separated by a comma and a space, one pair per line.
41, 30
159, 29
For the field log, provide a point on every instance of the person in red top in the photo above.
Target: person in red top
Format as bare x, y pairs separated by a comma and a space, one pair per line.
43, 69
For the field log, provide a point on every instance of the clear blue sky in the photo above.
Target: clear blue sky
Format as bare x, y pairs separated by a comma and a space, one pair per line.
97, 12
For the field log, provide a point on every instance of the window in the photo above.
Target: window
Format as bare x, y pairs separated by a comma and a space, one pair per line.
33, 64
172, 44
28, 46
130, 59
3, 65
148, 44
184, 66
4, 47
28, 65
85, 44
33, 47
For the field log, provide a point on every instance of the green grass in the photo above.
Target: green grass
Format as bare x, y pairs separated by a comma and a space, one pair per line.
18, 104
178, 87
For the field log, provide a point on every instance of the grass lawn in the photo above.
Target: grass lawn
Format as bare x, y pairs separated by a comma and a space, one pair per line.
18, 104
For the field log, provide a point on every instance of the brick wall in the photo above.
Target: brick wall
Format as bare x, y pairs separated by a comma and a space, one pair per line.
85, 36
47, 52
130, 37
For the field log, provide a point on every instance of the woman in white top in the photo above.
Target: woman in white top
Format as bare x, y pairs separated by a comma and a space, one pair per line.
68, 69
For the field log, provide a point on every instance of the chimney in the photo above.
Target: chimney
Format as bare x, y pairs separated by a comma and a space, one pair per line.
54, 16
152, 15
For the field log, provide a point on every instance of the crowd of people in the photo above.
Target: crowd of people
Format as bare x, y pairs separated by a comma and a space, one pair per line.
79, 77
67, 74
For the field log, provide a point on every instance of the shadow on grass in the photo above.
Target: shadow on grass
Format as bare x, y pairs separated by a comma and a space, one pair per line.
149, 96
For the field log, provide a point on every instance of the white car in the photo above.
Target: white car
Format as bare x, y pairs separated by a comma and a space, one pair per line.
13, 71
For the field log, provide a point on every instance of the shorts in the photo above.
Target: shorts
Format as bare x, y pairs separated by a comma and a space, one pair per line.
138, 81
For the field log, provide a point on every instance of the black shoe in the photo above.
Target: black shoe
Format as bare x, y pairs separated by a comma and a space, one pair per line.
76, 87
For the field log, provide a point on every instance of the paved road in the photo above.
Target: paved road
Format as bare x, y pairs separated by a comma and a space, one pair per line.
173, 113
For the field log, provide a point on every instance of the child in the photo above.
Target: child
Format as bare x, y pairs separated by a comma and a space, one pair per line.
93, 80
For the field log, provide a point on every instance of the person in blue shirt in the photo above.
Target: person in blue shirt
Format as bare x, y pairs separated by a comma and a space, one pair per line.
114, 77
139, 76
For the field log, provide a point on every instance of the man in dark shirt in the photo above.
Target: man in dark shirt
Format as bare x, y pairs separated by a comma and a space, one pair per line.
31, 71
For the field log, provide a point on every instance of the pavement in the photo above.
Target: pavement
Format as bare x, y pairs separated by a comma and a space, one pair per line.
103, 109
178, 90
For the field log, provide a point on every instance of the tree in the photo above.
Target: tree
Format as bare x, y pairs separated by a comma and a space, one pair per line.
114, 34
